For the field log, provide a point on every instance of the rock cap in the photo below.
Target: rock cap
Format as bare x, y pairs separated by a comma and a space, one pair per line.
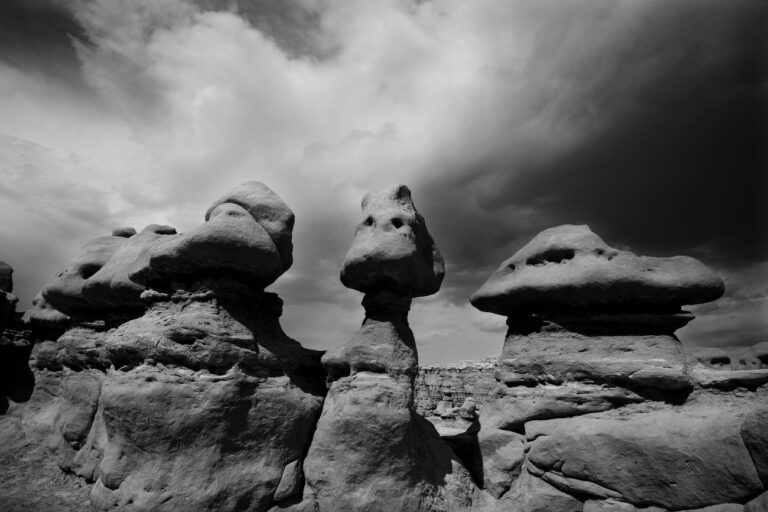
392, 249
246, 235
570, 267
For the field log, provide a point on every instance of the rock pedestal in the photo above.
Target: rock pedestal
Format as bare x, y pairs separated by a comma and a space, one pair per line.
613, 414
369, 415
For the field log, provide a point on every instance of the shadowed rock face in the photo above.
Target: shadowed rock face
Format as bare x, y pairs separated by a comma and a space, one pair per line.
392, 249
570, 267
754, 358
6, 277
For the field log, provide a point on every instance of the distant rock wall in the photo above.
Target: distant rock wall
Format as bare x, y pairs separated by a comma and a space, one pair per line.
441, 390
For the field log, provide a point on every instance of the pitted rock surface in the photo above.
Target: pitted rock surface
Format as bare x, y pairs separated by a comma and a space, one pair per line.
392, 248
570, 267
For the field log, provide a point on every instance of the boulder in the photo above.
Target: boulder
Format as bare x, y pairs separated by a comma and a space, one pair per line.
268, 210
570, 267
239, 238
392, 248
372, 452
65, 292
555, 355
687, 457
111, 286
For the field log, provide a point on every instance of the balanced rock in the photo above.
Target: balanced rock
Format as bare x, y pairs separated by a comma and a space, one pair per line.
247, 233
570, 267
392, 249
755, 357
371, 450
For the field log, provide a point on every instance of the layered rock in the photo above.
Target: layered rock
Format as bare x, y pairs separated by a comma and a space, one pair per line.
614, 415
371, 450
578, 309
173, 385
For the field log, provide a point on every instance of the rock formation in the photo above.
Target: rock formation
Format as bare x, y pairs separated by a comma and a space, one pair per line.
371, 451
613, 415
173, 386
153, 374
16, 380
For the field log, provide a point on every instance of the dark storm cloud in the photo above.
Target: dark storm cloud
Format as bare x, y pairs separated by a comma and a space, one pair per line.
673, 158
36, 36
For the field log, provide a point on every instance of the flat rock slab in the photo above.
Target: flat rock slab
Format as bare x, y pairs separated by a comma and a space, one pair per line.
653, 361
687, 457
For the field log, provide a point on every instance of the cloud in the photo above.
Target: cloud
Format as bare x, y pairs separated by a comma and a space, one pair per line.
643, 119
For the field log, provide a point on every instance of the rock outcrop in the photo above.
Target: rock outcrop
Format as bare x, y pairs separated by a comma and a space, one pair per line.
153, 374
16, 379
172, 385
369, 415
614, 414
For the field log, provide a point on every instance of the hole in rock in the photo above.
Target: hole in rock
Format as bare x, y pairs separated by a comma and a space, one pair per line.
551, 256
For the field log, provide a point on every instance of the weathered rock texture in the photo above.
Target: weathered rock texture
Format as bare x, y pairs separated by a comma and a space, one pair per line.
16, 380
371, 450
153, 374
614, 415
176, 389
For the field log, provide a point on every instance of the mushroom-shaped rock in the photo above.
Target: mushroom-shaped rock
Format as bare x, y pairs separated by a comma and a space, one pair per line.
248, 236
570, 267
65, 292
754, 358
392, 249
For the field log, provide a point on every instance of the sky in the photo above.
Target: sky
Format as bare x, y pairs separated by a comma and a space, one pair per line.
645, 119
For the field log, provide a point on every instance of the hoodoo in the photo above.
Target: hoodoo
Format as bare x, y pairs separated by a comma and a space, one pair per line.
371, 451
